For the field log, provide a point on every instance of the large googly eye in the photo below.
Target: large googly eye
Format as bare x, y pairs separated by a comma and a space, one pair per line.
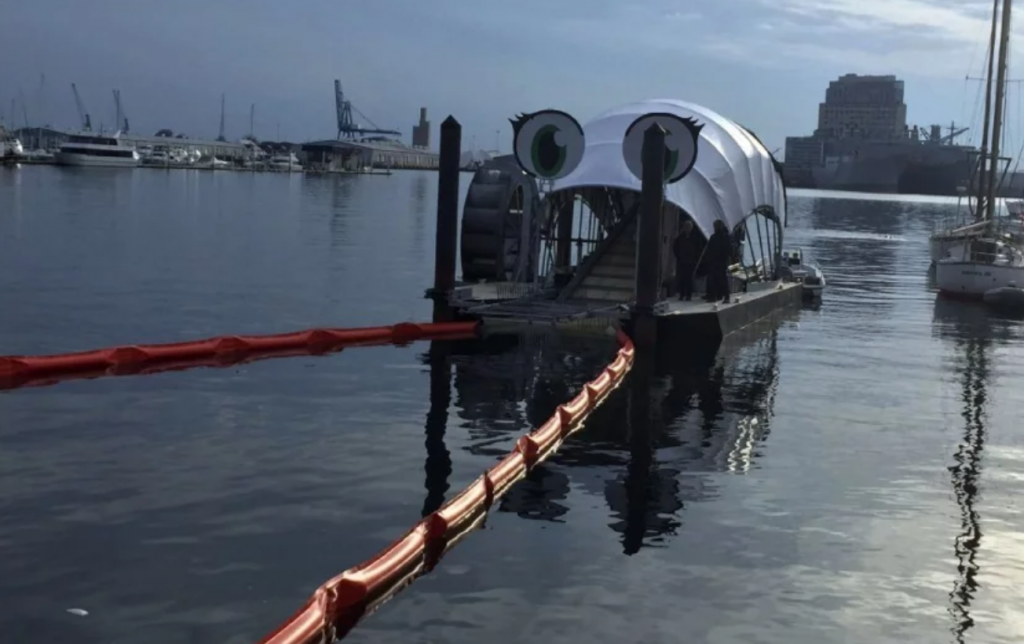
681, 135
548, 144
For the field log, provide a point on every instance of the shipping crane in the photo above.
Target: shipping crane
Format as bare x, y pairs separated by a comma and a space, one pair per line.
933, 134
220, 135
24, 109
83, 116
346, 126
120, 119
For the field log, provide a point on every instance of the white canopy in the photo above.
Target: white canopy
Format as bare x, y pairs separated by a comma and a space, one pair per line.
733, 175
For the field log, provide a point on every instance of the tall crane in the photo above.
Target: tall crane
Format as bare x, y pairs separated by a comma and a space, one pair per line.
120, 119
348, 127
220, 136
83, 116
24, 109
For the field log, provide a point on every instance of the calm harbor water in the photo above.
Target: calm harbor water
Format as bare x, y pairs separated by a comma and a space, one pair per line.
846, 474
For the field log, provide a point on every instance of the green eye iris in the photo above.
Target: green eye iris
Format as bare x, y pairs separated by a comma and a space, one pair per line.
671, 161
547, 155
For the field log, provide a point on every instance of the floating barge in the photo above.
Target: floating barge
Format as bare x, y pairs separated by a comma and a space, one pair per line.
576, 228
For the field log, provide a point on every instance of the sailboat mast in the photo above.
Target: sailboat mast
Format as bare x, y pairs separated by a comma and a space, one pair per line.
997, 120
987, 122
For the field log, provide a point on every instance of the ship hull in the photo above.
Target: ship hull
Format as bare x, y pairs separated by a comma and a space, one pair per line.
74, 159
970, 280
943, 180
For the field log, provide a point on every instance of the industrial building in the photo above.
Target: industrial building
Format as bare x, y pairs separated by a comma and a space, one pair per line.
863, 143
359, 147
421, 131
353, 156
225, 150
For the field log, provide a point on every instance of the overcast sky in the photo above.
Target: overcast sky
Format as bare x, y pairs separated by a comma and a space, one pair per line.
764, 63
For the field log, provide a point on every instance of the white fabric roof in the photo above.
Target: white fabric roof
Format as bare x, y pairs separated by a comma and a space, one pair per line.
732, 176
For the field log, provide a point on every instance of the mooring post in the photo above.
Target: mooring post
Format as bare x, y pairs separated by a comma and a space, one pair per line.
648, 248
447, 239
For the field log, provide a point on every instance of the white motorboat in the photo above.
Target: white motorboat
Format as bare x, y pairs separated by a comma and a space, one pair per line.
89, 149
794, 267
285, 163
10, 146
212, 163
158, 156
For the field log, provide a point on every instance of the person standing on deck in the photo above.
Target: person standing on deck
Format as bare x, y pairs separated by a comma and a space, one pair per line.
718, 256
686, 248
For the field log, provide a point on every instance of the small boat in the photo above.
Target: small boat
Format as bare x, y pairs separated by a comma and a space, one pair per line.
811, 275
1008, 299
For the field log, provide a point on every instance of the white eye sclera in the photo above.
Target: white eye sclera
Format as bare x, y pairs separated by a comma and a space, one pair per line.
548, 144
681, 136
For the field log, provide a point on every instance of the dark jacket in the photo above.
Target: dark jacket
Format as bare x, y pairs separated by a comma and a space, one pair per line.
719, 252
687, 249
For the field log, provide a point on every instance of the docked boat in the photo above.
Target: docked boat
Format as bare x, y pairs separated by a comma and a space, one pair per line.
989, 253
285, 163
1008, 299
10, 147
794, 267
89, 149
212, 163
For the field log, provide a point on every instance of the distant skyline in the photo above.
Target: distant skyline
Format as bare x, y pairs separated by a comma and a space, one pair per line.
763, 63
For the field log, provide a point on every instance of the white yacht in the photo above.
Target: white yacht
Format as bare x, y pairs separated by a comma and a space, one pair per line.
285, 163
10, 146
89, 149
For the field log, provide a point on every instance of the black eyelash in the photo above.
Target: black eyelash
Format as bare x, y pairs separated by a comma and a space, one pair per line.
697, 127
517, 122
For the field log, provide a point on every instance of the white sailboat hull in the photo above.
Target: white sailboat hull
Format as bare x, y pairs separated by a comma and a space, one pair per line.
966, 279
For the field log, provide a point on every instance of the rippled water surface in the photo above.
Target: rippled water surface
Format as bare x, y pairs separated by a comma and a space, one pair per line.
845, 474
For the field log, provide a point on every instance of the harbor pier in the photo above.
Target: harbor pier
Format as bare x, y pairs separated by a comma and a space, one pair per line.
354, 156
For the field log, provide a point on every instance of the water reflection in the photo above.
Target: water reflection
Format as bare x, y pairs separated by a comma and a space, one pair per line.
438, 466
971, 331
672, 423
341, 204
419, 207
880, 217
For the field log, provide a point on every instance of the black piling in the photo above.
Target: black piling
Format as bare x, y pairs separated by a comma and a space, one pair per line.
447, 240
648, 251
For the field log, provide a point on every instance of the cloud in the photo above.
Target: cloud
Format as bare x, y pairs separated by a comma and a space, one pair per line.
940, 38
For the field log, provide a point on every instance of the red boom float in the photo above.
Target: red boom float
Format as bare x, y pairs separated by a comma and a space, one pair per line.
22, 371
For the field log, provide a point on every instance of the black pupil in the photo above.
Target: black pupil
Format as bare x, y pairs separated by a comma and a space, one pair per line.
547, 150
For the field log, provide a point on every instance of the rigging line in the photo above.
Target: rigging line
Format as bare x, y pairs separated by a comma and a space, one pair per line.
967, 76
975, 114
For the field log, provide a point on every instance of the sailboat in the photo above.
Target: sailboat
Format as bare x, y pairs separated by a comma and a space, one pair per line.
984, 255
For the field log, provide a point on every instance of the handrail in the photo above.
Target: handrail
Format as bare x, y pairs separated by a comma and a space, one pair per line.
340, 603
587, 265
223, 351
